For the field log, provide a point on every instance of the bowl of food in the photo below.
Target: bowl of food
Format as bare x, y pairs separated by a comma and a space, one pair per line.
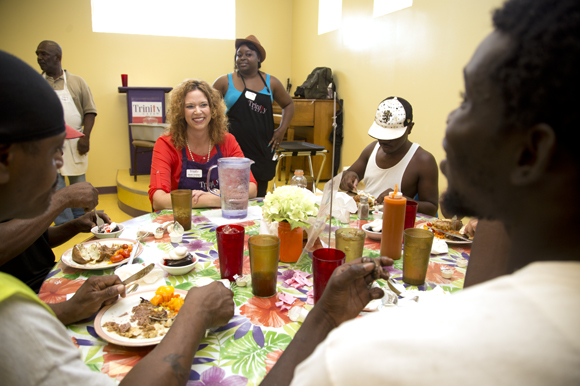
108, 231
373, 229
178, 261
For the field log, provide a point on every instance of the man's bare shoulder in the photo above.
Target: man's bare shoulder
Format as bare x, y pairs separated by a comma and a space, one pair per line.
423, 164
422, 156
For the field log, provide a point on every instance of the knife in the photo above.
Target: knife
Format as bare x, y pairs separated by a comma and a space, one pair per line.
449, 234
139, 275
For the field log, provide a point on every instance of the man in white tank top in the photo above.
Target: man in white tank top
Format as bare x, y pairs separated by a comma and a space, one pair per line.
393, 159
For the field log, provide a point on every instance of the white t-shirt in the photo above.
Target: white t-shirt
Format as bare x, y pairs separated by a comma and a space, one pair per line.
35, 349
520, 329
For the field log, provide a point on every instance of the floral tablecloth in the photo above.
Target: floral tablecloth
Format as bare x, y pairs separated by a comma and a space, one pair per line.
244, 350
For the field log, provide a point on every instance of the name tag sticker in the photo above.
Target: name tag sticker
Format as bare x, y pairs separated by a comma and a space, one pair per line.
193, 173
250, 95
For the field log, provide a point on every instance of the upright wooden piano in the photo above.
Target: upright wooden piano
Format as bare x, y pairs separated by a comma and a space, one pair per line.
312, 122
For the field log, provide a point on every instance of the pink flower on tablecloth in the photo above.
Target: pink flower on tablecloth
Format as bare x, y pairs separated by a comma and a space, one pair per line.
263, 312
217, 377
272, 358
55, 290
246, 223
199, 219
163, 218
198, 245
117, 361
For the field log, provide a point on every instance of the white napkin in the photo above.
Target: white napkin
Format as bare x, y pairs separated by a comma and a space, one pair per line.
215, 216
152, 281
267, 228
343, 206
439, 246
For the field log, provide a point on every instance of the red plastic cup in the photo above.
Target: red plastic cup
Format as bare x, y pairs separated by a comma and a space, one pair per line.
324, 262
124, 79
230, 250
410, 214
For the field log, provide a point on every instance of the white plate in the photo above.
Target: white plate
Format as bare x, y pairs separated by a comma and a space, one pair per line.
112, 314
372, 235
422, 225
67, 256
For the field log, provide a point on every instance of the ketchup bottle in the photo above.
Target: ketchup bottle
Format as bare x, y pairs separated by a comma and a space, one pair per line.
393, 225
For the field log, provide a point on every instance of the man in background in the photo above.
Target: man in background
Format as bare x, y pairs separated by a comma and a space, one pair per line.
511, 157
36, 348
79, 113
394, 160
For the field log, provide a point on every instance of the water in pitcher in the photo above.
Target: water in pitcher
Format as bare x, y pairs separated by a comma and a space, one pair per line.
234, 176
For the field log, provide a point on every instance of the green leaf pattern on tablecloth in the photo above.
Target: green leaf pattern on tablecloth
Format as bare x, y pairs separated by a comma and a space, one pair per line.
93, 350
241, 294
242, 356
371, 253
292, 328
398, 264
249, 357
78, 328
304, 264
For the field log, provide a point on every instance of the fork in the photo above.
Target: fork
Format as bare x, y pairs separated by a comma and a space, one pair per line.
99, 220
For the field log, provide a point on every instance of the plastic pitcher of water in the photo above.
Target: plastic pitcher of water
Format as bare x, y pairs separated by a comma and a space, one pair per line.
234, 177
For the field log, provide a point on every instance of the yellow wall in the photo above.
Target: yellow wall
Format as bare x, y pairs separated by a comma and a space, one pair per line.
417, 53
148, 60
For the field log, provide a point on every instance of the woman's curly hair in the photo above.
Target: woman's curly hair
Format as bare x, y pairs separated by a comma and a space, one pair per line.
218, 125
539, 75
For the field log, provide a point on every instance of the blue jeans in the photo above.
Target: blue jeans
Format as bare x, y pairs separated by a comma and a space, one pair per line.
69, 213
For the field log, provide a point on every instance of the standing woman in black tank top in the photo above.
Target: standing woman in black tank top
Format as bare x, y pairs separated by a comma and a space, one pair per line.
250, 113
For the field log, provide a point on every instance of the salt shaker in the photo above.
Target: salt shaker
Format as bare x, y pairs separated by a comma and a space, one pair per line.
363, 209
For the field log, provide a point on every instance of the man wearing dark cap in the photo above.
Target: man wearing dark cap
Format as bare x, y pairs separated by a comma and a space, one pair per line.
79, 113
26, 244
512, 157
36, 348
394, 160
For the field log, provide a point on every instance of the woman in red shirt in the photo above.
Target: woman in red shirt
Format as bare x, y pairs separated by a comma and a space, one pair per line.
197, 138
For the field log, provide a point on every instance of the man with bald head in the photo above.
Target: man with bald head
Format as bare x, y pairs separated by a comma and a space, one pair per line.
79, 113
35, 348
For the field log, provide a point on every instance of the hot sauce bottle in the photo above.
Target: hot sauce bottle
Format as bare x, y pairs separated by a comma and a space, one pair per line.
393, 225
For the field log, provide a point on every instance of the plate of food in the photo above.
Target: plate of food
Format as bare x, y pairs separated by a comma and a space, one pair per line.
373, 229
446, 229
100, 254
140, 319
371, 199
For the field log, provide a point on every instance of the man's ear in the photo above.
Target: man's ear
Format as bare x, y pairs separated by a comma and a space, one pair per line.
535, 154
410, 127
5, 159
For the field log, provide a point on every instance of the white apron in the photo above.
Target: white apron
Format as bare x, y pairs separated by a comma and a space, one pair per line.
74, 163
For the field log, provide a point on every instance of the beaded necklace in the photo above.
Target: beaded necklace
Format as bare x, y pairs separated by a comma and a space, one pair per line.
191, 153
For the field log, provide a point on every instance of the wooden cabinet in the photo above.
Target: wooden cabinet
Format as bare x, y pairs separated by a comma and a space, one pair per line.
312, 121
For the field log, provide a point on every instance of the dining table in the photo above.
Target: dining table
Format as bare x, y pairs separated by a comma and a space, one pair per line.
247, 347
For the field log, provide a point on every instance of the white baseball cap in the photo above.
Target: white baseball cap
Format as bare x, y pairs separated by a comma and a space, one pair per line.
392, 118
